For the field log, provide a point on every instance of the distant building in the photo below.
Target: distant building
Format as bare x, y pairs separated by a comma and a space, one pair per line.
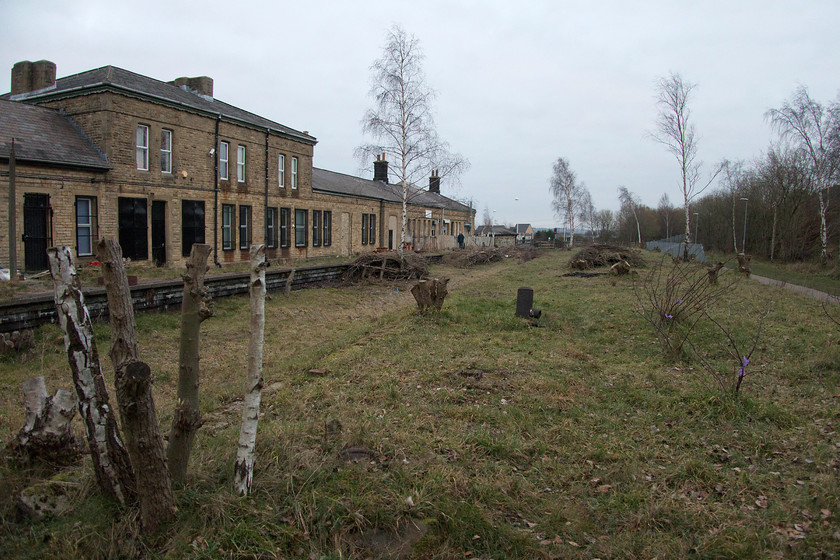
524, 232
160, 166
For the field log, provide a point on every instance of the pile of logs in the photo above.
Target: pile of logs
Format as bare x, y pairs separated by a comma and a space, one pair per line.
17, 341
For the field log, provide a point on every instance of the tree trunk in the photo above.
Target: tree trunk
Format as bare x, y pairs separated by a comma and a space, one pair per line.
133, 380
430, 293
734, 236
194, 311
244, 468
773, 235
46, 435
111, 462
823, 226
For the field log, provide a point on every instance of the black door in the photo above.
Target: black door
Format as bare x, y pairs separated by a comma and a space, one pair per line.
133, 228
159, 232
390, 239
36, 230
192, 225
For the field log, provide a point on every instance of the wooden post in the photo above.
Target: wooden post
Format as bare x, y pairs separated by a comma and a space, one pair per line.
133, 380
194, 311
110, 458
244, 468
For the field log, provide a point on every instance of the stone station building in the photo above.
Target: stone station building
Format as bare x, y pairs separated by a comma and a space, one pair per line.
162, 165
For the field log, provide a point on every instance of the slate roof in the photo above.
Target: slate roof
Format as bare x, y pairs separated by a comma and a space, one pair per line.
331, 182
494, 230
45, 136
522, 228
117, 79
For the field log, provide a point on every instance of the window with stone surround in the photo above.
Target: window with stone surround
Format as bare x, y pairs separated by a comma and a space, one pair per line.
271, 228
327, 228
244, 227
165, 151
224, 154
294, 172
316, 228
300, 228
142, 145
285, 219
228, 227
281, 171
86, 225
240, 164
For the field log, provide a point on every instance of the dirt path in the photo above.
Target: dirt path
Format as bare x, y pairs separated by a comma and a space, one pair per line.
810, 292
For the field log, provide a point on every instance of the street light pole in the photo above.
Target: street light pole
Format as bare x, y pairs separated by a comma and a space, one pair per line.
744, 240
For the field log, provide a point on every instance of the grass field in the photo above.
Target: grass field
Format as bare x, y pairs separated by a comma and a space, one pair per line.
476, 434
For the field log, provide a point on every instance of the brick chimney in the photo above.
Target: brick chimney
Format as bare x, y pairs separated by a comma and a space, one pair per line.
380, 169
32, 76
201, 85
434, 182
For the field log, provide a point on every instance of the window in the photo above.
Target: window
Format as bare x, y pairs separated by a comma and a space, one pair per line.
165, 151
372, 233
85, 225
327, 228
142, 147
133, 228
192, 224
224, 150
244, 227
285, 215
365, 228
228, 225
316, 228
240, 163
300, 227
294, 172
281, 171
271, 228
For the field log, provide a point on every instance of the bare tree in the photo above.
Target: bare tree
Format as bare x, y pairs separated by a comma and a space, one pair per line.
675, 130
666, 209
567, 195
588, 212
486, 217
630, 201
733, 172
605, 222
815, 130
402, 122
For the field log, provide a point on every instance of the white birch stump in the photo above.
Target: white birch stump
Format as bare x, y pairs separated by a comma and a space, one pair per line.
46, 434
244, 468
110, 458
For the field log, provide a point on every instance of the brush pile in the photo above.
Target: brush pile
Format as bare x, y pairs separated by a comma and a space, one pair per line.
387, 266
485, 255
599, 255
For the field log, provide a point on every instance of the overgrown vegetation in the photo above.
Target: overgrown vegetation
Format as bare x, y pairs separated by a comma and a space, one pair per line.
573, 440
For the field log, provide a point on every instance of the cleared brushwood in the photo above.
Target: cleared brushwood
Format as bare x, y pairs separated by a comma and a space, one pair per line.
475, 257
599, 255
386, 266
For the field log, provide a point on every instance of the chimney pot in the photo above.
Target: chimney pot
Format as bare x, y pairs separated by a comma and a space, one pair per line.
380, 169
31, 76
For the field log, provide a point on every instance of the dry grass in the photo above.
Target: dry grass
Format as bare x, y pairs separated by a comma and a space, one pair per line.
572, 439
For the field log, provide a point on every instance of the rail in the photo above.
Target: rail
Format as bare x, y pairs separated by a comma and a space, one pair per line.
26, 312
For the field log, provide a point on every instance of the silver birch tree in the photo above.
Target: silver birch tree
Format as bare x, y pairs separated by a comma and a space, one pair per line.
567, 195
401, 121
629, 200
815, 130
244, 468
111, 462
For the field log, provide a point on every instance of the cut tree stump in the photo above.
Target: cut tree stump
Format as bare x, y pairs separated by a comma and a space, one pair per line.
46, 436
430, 293
744, 264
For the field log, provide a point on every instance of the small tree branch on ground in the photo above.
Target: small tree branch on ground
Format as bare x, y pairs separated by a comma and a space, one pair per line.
244, 468
187, 418
110, 458
133, 380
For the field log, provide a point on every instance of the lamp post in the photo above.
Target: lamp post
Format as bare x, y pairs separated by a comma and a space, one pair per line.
697, 228
744, 240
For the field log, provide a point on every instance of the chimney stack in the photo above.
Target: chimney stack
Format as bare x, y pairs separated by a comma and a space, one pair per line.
434, 182
32, 76
380, 169
201, 85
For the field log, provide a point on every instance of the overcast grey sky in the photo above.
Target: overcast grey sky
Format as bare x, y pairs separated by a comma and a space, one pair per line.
519, 84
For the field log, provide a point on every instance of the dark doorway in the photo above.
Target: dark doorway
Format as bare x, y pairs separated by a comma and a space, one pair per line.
390, 239
192, 224
159, 232
36, 230
133, 228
